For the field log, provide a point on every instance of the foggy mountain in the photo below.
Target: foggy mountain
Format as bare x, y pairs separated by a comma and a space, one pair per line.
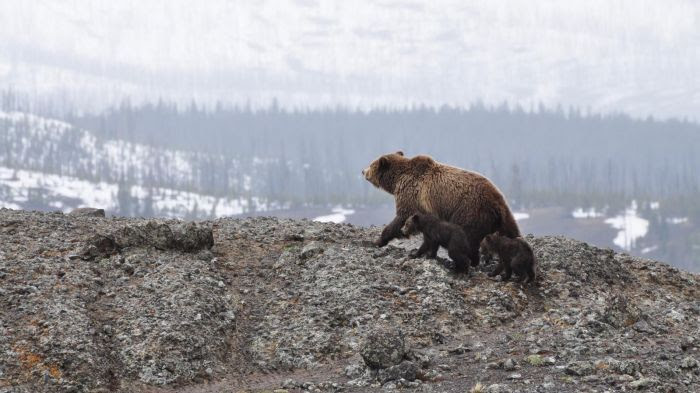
639, 57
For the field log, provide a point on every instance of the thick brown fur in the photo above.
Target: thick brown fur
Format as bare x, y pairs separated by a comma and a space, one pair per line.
422, 185
514, 256
486, 251
438, 233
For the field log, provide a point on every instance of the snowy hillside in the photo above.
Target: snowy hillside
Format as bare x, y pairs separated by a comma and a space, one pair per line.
30, 190
49, 164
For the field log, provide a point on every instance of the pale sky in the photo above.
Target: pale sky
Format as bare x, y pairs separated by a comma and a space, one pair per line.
640, 57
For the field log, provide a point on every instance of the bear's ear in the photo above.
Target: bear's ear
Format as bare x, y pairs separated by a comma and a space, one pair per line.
383, 162
400, 153
415, 218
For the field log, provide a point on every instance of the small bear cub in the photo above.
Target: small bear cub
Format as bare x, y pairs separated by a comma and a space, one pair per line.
438, 233
514, 255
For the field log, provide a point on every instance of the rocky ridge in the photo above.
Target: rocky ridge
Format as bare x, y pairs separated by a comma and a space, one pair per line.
89, 303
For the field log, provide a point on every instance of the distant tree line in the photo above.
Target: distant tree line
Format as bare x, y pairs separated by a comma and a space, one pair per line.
315, 156
538, 158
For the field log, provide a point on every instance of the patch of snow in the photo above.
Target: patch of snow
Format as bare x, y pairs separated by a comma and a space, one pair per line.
647, 250
58, 187
36, 122
590, 213
677, 220
339, 215
631, 227
10, 205
521, 216
654, 205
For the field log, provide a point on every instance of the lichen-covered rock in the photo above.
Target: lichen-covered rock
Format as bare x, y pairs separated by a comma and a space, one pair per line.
191, 237
406, 370
621, 312
643, 383
312, 249
689, 363
383, 347
161, 235
87, 212
579, 368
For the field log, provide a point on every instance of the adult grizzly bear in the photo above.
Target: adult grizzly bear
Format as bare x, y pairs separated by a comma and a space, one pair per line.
422, 185
436, 233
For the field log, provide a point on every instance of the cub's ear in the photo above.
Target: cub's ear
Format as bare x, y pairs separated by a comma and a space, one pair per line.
400, 153
415, 218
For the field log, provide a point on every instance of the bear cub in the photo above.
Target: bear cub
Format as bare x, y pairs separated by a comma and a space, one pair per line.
438, 233
514, 255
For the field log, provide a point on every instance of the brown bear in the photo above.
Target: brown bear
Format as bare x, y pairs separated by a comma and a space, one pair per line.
486, 251
438, 233
422, 185
514, 255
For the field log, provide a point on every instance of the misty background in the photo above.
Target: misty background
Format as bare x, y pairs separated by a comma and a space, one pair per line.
585, 114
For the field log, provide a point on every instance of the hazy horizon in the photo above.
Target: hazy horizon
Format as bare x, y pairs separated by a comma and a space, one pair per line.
639, 58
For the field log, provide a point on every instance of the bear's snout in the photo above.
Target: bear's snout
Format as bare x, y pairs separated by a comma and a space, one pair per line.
366, 173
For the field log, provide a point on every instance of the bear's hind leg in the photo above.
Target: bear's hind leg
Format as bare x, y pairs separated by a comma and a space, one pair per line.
509, 272
460, 260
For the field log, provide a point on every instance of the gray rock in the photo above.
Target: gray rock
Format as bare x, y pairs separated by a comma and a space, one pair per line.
579, 368
354, 370
405, 370
187, 237
498, 388
643, 383
509, 364
621, 312
628, 367
99, 245
87, 212
383, 347
312, 249
689, 362
192, 237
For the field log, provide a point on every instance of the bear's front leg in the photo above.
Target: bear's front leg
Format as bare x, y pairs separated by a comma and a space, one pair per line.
424, 248
497, 270
392, 231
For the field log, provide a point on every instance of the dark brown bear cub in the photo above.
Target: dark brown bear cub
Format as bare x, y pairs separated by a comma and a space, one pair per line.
438, 233
514, 255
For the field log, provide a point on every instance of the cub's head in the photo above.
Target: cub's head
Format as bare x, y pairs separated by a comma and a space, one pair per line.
411, 226
382, 172
492, 241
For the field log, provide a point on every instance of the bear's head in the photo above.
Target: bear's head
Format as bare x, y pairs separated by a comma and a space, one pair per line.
411, 226
384, 171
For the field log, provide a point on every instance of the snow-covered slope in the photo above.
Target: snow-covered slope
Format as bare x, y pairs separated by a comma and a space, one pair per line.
50, 145
29, 190
49, 164
636, 56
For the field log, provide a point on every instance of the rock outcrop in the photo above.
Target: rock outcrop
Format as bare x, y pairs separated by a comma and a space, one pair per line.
90, 304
